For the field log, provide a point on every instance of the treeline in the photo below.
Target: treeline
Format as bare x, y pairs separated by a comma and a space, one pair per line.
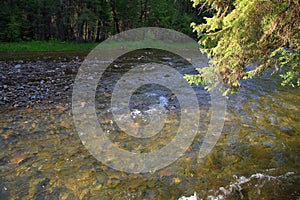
90, 20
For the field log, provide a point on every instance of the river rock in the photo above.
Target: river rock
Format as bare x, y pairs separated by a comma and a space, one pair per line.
18, 66
166, 59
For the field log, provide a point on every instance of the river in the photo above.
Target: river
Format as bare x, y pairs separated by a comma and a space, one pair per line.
42, 156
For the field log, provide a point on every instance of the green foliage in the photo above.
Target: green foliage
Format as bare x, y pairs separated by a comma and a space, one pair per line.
243, 33
291, 78
13, 31
194, 79
89, 20
207, 76
289, 61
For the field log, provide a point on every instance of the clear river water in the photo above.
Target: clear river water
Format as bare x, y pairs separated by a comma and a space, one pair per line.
42, 156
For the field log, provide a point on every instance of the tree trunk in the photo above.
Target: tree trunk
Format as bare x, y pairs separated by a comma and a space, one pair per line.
115, 17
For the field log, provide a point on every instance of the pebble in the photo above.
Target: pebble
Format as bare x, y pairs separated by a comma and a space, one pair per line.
141, 58
37, 80
166, 59
17, 66
20, 88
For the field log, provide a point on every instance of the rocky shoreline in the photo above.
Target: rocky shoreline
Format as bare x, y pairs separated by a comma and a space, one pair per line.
25, 84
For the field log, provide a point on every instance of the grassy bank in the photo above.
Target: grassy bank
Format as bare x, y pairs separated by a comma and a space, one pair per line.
39, 46
56, 50
54, 45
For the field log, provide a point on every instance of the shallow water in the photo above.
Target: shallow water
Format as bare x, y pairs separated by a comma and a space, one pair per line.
42, 156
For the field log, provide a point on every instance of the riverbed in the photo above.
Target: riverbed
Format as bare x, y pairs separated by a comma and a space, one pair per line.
42, 156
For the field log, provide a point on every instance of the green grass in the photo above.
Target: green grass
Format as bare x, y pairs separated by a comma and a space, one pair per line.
52, 45
148, 44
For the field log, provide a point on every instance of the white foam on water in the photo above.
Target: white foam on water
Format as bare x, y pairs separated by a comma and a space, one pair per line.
219, 197
194, 197
153, 110
236, 186
151, 94
136, 113
163, 101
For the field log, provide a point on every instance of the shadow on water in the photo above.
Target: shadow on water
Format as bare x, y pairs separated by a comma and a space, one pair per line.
42, 157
